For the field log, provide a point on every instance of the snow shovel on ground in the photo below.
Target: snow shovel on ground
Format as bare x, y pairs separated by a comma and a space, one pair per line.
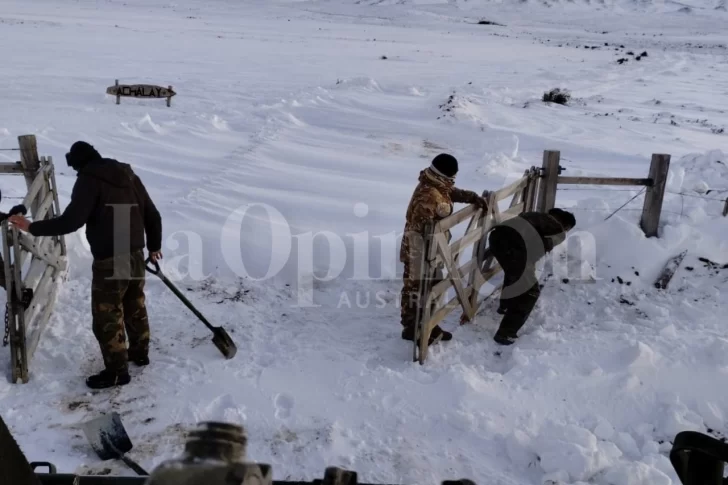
109, 440
220, 337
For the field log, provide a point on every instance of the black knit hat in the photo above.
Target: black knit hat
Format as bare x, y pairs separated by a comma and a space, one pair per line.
81, 153
446, 165
565, 218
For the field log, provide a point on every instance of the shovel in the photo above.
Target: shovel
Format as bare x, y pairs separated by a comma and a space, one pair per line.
109, 440
220, 337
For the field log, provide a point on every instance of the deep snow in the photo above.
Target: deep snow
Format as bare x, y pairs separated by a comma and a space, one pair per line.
289, 104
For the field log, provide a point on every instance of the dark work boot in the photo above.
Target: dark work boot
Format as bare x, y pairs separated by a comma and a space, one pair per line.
437, 334
108, 378
504, 339
408, 333
140, 361
440, 334
139, 358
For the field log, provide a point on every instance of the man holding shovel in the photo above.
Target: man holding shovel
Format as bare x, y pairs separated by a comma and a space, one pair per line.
110, 199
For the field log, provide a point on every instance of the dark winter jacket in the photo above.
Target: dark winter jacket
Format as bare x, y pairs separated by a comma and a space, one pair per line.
101, 184
535, 232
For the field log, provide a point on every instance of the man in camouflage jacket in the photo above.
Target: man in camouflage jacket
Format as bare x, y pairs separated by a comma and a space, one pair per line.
432, 200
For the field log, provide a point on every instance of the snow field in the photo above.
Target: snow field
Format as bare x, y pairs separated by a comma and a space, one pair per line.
304, 117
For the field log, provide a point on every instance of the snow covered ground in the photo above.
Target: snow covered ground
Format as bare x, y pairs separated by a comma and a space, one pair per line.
289, 123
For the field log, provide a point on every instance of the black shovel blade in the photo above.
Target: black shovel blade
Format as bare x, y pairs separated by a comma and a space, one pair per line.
107, 436
223, 342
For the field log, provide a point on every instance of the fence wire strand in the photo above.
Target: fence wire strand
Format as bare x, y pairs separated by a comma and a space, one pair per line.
585, 189
625, 204
695, 196
587, 209
671, 192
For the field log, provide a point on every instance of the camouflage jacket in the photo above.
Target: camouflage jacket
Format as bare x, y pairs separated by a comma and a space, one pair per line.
432, 200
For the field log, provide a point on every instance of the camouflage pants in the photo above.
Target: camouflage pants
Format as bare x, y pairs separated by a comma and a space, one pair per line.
117, 305
410, 296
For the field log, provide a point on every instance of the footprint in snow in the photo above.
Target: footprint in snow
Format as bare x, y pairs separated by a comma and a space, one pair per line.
283, 404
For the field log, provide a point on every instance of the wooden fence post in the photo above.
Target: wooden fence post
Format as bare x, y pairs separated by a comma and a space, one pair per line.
659, 168
30, 162
550, 175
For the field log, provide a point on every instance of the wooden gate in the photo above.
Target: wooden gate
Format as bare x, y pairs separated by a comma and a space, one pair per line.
34, 267
466, 279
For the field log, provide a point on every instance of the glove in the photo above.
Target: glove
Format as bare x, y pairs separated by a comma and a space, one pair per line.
482, 202
18, 209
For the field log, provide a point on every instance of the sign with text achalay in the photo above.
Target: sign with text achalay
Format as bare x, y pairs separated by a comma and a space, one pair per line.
140, 91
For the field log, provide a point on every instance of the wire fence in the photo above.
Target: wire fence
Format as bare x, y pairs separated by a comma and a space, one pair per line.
588, 209
696, 196
593, 189
622, 207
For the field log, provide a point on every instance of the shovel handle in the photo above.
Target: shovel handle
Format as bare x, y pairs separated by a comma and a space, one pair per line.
154, 270
134, 465
179, 294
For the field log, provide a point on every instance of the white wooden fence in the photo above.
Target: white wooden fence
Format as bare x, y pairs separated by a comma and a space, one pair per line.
30, 263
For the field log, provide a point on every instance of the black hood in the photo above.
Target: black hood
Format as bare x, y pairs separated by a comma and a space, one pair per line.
110, 171
80, 154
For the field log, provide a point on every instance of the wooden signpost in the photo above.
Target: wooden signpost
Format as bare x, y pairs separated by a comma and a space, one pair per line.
140, 91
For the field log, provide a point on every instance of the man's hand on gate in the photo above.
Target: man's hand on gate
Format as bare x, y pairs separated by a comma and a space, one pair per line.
155, 256
20, 222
